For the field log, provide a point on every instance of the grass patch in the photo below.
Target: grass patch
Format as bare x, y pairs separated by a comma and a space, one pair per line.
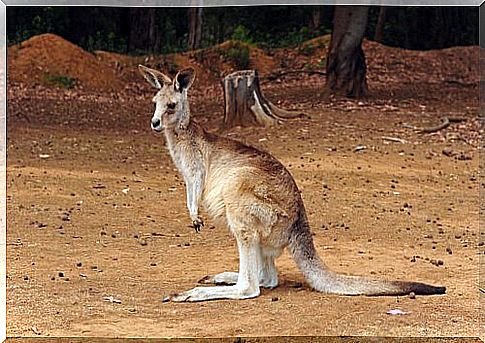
238, 54
61, 81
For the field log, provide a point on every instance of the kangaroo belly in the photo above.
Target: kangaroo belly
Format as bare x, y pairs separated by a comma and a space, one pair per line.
213, 201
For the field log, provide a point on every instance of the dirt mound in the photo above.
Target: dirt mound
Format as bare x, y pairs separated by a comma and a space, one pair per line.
211, 64
51, 60
232, 55
458, 65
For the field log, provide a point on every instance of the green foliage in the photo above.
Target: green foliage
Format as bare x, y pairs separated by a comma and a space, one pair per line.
61, 81
238, 54
107, 42
109, 28
241, 33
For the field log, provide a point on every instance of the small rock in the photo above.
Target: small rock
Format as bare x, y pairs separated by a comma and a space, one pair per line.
448, 152
412, 295
464, 157
61, 274
34, 329
275, 299
396, 312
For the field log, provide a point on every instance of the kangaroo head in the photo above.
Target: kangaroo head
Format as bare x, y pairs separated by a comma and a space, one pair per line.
171, 104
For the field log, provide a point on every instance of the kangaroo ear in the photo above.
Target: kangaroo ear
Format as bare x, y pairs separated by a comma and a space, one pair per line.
154, 77
184, 79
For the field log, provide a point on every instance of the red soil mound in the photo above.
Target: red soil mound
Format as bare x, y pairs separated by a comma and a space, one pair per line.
42, 58
50, 59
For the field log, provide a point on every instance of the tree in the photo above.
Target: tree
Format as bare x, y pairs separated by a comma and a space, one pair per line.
195, 27
315, 18
346, 67
144, 30
380, 24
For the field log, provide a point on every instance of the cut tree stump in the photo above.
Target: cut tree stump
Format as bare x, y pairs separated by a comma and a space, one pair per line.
245, 105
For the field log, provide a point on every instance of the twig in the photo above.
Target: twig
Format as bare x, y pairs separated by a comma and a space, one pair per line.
430, 129
394, 139
461, 83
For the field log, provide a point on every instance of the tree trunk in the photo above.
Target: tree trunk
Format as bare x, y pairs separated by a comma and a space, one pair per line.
346, 68
195, 27
380, 24
316, 18
144, 31
245, 105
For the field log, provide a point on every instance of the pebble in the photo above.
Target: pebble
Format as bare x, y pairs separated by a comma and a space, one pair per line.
275, 299
412, 295
437, 262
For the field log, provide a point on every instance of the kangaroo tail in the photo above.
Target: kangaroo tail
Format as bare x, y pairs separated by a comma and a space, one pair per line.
324, 280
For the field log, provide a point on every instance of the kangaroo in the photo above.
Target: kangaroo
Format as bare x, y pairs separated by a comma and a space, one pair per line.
255, 196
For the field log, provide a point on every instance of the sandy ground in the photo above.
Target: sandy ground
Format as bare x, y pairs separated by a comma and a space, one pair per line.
98, 229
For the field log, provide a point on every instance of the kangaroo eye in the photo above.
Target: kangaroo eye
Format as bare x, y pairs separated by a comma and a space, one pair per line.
171, 106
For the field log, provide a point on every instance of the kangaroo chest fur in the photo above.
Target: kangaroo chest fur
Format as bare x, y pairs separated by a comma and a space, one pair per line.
187, 155
208, 170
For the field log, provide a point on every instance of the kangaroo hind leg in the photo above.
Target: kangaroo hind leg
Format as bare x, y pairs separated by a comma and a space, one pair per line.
224, 278
268, 274
247, 285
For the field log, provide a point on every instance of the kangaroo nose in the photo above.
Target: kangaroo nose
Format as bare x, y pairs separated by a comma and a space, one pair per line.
155, 122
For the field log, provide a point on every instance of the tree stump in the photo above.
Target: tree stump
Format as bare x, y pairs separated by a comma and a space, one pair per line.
245, 105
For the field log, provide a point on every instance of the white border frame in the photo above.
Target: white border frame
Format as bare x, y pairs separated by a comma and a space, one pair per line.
173, 3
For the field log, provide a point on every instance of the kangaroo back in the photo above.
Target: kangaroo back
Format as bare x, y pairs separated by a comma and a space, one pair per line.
324, 280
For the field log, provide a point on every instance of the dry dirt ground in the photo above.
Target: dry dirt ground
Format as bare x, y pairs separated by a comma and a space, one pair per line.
98, 228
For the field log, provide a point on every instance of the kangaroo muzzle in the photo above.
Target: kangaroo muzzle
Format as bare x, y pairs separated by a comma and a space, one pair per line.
156, 124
